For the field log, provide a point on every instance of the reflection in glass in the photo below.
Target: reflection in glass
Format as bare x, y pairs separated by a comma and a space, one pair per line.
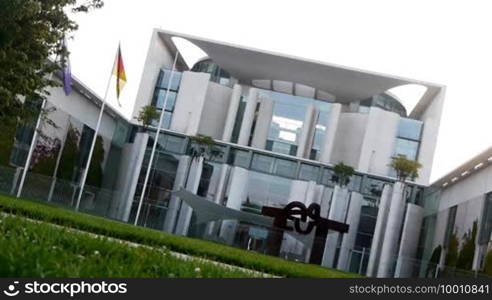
410, 129
407, 148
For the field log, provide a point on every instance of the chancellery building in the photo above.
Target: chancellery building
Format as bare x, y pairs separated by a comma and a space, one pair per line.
279, 124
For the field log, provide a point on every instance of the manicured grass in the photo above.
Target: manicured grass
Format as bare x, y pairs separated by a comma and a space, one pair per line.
206, 249
29, 249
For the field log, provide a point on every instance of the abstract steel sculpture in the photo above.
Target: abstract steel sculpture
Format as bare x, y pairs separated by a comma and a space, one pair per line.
297, 212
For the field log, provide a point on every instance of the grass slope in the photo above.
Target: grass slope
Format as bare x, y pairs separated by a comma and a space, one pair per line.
29, 249
206, 249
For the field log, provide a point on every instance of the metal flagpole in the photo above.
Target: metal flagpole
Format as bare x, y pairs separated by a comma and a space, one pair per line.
86, 170
57, 164
154, 146
33, 141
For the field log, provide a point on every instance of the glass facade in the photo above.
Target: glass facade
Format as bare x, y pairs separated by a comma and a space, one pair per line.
407, 141
289, 114
320, 130
217, 74
160, 92
386, 102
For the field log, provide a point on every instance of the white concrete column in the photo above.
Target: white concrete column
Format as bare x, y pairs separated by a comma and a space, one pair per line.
378, 236
219, 192
195, 174
174, 203
222, 184
263, 124
337, 212
331, 130
326, 195
238, 193
248, 117
409, 241
307, 130
389, 248
232, 113
136, 160
298, 190
348, 239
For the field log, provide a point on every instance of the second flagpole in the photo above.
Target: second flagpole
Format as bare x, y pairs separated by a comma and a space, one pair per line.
94, 139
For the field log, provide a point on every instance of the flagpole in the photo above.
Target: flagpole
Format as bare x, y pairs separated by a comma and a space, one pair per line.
57, 164
33, 141
89, 158
154, 146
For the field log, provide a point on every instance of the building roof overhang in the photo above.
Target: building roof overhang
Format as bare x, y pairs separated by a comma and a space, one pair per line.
470, 167
346, 84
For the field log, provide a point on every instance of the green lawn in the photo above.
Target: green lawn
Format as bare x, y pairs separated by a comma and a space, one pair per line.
201, 248
29, 249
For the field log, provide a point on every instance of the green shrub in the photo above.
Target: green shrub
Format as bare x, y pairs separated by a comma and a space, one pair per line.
201, 248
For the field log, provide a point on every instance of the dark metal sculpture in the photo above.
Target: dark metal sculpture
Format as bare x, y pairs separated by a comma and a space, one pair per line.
298, 213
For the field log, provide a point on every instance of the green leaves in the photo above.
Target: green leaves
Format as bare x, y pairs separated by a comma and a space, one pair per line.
147, 115
31, 32
342, 174
405, 168
201, 248
203, 146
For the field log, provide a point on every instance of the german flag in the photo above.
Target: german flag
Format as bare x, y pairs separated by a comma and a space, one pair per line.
119, 72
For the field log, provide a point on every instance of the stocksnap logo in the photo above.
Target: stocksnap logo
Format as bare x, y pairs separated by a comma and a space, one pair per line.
11, 290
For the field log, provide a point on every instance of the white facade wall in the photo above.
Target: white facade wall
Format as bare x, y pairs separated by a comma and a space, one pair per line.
158, 57
82, 109
379, 142
348, 139
215, 109
432, 119
475, 185
190, 103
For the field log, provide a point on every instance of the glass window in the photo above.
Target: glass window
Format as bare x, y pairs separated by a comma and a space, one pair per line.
279, 147
239, 120
262, 163
285, 167
239, 158
166, 122
160, 96
410, 129
326, 179
319, 133
373, 187
171, 143
308, 172
163, 80
355, 182
407, 148
486, 227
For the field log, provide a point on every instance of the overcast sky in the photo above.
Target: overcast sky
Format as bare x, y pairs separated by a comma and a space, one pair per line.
446, 42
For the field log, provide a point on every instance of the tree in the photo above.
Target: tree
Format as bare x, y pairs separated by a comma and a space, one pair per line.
203, 146
434, 262
343, 173
69, 154
453, 247
147, 115
405, 168
31, 31
488, 263
467, 253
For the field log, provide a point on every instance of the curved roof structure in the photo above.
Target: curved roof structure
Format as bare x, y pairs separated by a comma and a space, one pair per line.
347, 84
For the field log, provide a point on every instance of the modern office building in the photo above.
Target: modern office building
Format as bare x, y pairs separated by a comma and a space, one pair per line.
459, 233
280, 125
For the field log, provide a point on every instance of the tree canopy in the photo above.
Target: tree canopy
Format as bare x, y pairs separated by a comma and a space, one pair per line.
32, 31
405, 168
